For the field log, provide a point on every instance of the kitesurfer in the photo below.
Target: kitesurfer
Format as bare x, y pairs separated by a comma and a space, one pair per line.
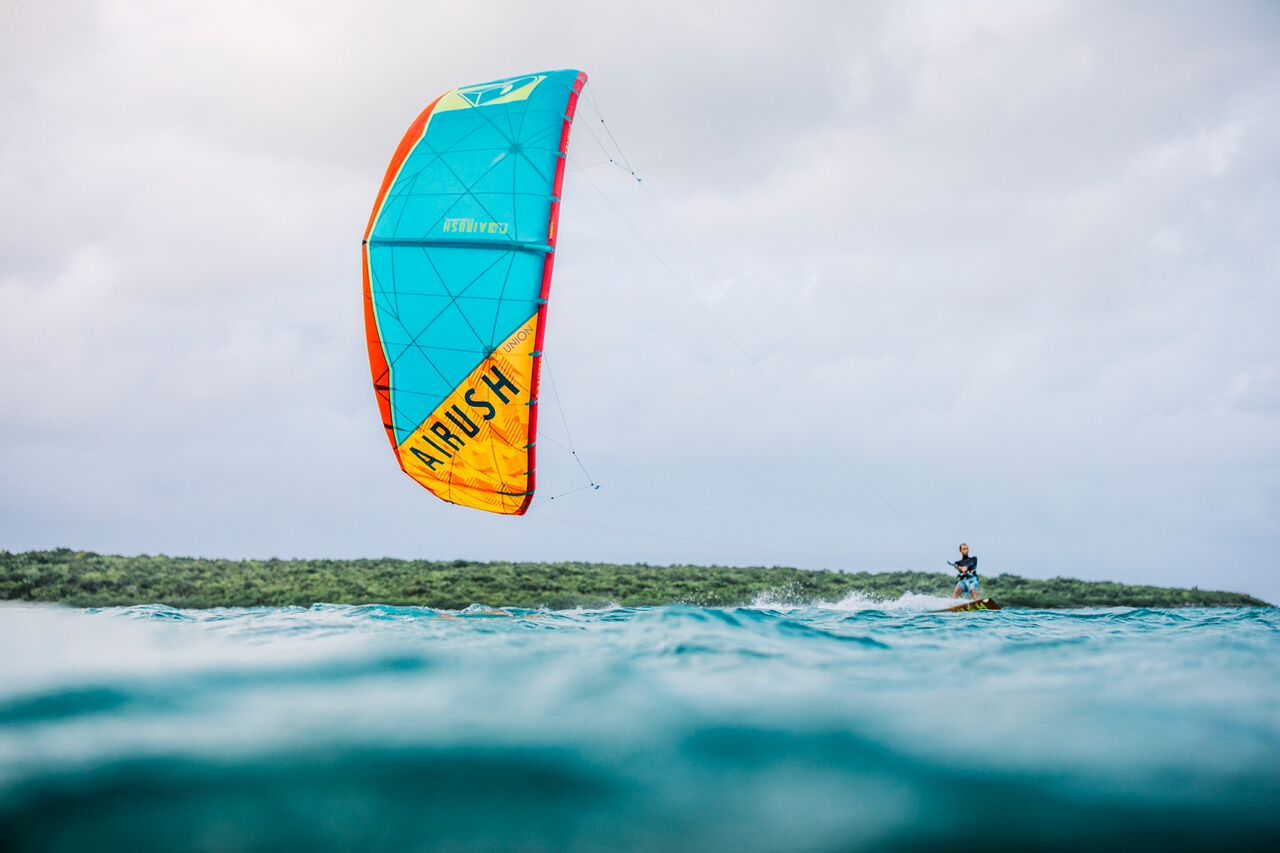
968, 568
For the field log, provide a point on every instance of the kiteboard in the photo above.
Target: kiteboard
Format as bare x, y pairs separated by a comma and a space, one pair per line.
969, 606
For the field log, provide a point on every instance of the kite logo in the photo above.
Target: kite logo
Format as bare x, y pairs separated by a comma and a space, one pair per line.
444, 439
471, 226
502, 91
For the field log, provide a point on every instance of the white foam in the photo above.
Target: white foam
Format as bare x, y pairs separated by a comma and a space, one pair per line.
909, 602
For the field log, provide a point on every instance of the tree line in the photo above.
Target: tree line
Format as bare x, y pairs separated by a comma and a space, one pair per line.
87, 579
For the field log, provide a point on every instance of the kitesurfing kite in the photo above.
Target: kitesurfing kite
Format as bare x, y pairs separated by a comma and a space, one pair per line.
457, 263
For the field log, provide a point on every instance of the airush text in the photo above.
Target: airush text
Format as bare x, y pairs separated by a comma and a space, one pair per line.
448, 434
472, 226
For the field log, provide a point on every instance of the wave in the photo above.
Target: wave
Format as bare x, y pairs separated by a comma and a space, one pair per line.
709, 787
857, 602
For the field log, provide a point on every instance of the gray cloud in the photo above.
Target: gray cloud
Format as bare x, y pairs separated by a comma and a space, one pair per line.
1016, 260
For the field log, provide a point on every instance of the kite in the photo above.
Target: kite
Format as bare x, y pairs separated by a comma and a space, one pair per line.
457, 260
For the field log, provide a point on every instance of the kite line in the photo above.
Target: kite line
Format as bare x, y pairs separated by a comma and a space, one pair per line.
617, 158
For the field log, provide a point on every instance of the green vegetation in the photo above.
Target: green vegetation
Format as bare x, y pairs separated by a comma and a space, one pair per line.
85, 579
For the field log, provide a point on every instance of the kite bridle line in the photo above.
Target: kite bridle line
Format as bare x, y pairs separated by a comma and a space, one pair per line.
569, 448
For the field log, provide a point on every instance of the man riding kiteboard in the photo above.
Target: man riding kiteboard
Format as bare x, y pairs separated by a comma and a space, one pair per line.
968, 568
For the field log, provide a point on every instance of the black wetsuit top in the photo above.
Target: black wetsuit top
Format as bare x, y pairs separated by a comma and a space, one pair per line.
967, 566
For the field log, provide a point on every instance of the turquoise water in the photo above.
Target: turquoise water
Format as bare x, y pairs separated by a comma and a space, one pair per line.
854, 726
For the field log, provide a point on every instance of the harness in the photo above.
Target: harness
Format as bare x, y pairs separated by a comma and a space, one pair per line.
965, 573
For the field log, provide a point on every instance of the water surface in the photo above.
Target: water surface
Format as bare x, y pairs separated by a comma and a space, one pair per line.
851, 726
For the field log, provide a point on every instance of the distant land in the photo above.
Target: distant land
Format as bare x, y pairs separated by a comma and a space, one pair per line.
86, 579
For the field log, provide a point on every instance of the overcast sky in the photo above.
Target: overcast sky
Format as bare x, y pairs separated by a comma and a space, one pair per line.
1018, 262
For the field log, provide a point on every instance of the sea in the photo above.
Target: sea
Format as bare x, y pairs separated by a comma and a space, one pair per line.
855, 725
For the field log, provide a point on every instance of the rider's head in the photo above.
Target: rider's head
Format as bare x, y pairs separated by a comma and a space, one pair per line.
964, 548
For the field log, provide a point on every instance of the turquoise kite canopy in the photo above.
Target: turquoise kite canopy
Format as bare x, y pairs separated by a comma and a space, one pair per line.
458, 260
